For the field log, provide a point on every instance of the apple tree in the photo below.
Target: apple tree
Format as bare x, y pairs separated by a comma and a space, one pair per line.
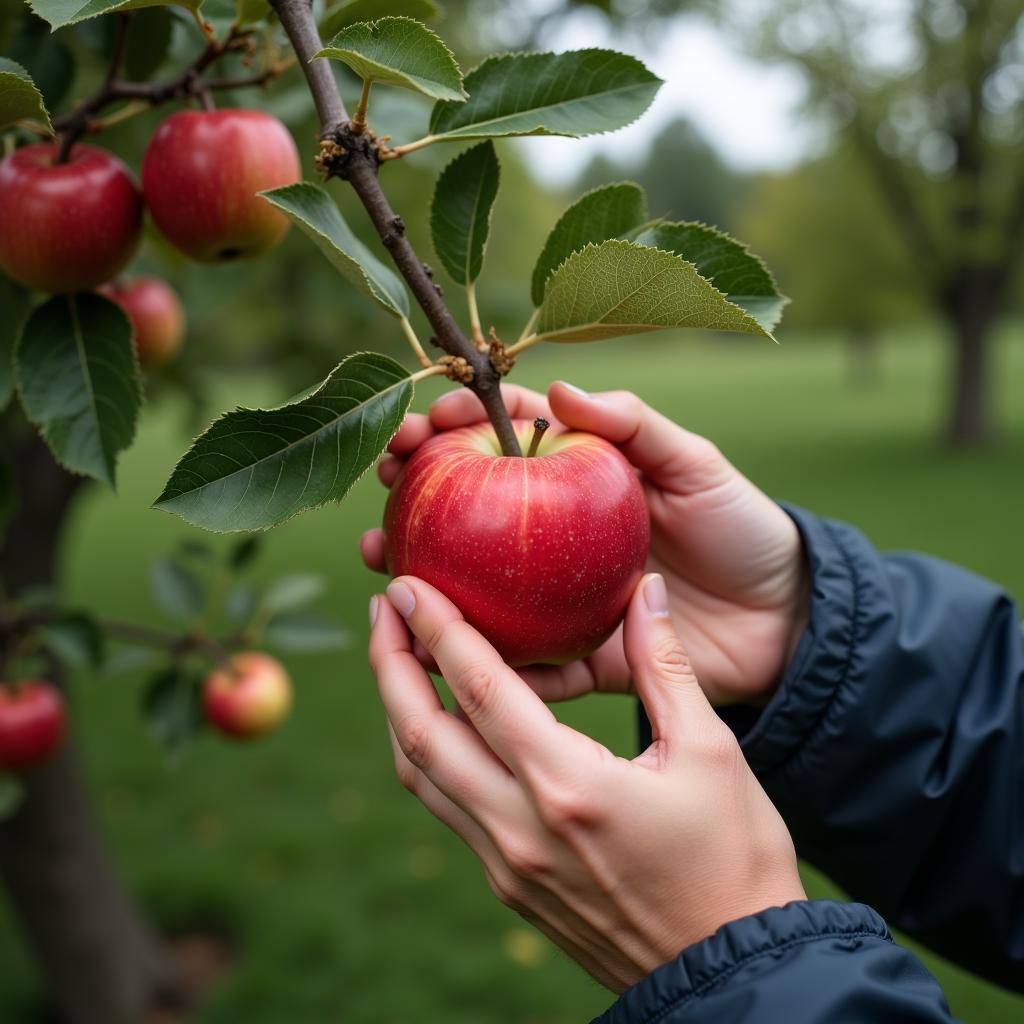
222, 184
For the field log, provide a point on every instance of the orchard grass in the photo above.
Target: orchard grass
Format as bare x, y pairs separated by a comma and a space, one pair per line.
343, 898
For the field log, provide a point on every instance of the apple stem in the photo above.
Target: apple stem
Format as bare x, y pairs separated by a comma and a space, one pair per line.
540, 426
358, 123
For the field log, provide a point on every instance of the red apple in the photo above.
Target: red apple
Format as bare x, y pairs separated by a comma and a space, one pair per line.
31, 723
66, 227
200, 176
540, 554
156, 314
248, 695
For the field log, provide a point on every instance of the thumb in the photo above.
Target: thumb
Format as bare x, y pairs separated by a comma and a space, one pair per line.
673, 458
660, 666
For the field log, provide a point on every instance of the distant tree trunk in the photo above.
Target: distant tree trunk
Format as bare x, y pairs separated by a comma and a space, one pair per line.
100, 961
972, 306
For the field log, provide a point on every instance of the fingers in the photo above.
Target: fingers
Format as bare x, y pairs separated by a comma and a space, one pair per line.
371, 548
661, 670
461, 407
415, 429
444, 749
507, 714
672, 457
605, 671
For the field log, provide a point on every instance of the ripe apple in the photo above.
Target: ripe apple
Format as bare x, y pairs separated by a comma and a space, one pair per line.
540, 554
248, 695
200, 176
31, 723
156, 314
66, 227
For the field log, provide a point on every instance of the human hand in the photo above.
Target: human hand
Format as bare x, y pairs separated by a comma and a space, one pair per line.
621, 863
732, 559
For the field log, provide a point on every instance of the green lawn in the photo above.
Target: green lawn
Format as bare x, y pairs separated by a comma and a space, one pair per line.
346, 900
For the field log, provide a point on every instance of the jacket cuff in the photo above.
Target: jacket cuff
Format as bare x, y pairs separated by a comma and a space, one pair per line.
710, 963
820, 666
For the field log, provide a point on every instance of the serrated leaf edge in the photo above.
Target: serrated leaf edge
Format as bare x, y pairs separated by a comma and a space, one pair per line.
546, 335
323, 54
515, 54
308, 508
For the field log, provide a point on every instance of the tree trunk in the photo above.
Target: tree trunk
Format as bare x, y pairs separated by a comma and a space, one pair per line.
100, 961
972, 305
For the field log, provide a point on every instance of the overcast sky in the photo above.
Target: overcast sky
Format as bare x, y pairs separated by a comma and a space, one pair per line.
748, 111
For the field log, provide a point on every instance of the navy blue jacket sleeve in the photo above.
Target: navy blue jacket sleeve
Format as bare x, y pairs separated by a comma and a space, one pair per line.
806, 963
894, 747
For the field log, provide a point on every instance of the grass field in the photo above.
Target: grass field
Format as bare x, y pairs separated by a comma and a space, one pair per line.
346, 901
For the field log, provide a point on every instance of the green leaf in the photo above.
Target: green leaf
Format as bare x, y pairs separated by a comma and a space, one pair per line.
19, 97
178, 591
68, 12
729, 265
596, 216
13, 304
577, 93
367, 10
78, 379
240, 604
253, 469
460, 217
313, 210
75, 639
46, 57
251, 11
149, 39
172, 706
294, 591
305, 632
399, 51
245, 551
12, 793
620, 287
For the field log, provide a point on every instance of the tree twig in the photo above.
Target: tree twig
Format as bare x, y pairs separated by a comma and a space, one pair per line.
357, 162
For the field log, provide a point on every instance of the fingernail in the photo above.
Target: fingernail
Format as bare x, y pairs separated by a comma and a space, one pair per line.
402, 598
374, 602
656, 596
575, 390
446, 396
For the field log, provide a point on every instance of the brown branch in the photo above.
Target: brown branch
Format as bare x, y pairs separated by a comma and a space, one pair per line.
353, 157
189, 84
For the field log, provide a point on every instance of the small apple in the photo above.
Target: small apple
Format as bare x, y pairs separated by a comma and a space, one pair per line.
200, 176
249, 695
31, 723
540, 554
156, 314
66, 227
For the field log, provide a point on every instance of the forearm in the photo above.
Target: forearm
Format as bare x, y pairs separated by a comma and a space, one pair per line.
894, 748
805, 963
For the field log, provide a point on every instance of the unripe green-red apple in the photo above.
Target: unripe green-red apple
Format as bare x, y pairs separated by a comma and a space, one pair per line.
248, 695
540, 554
31, 723
66, 227
156, 314
200, 176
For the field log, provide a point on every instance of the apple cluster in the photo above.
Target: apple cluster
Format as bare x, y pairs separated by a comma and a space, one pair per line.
73, 225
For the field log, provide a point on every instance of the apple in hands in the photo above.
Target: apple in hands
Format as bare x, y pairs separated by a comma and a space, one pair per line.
540, 554
31, 723
66, 227
248, 695
156, 314
201, 175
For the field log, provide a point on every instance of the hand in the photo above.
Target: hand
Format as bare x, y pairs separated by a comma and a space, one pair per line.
732, 559
621, 863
